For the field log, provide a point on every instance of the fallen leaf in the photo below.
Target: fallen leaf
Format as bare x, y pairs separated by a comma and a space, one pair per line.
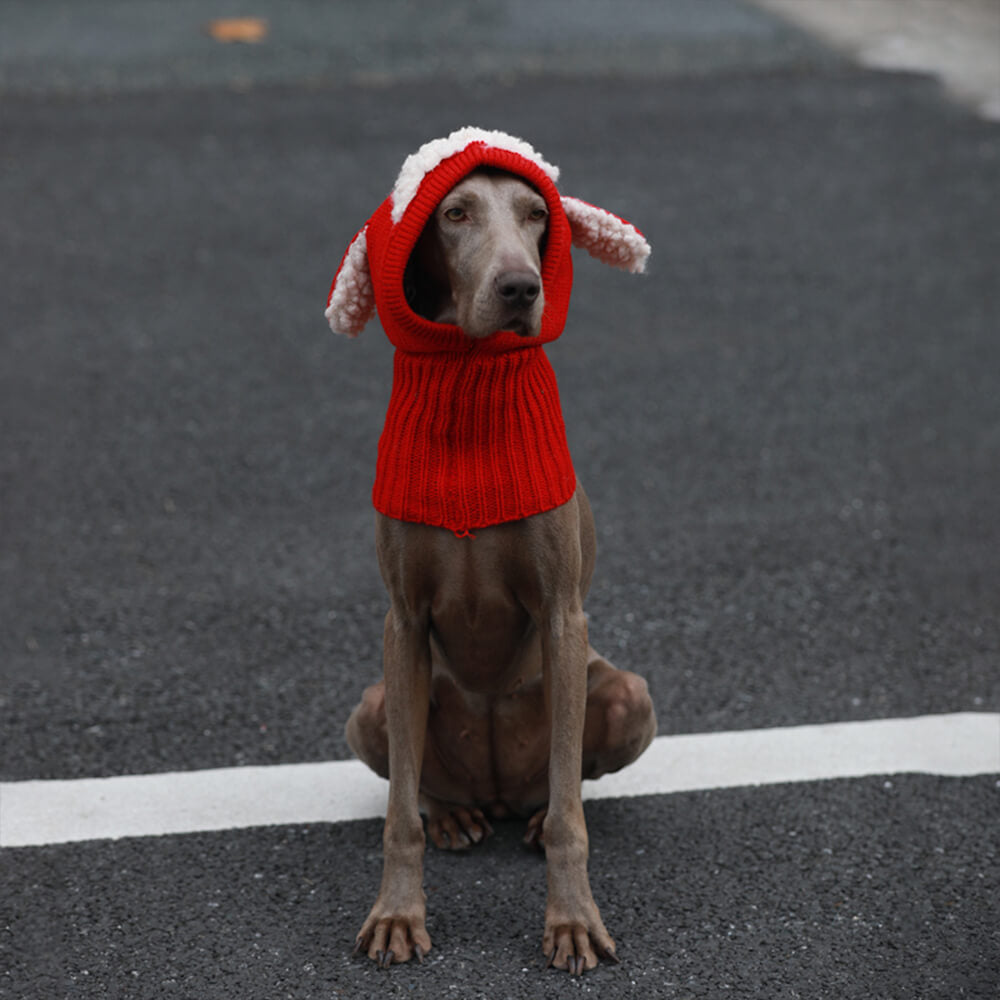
249, 30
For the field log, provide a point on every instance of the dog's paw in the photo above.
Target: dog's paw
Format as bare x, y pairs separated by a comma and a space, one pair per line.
387, 939
456, 828
576, 945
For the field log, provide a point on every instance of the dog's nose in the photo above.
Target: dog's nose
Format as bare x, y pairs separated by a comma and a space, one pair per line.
518, 289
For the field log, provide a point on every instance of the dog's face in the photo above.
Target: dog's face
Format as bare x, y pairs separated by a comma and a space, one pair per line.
478, 261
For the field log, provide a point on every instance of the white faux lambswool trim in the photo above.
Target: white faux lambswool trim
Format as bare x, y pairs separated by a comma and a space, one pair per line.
352, 302
417, 165
606, 237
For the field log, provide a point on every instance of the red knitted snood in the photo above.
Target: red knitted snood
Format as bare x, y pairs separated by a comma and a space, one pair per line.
474, 433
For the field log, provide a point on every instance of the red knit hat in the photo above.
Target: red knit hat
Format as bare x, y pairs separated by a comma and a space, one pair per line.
474, 433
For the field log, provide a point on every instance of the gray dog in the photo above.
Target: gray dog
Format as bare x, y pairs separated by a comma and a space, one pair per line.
493, 702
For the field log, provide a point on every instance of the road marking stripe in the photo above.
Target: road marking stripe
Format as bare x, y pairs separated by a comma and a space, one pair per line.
56, 812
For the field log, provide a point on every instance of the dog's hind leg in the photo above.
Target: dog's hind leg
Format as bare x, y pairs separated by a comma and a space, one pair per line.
621, 721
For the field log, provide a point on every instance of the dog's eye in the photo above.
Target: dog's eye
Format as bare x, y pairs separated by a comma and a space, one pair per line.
454, 214
537, 214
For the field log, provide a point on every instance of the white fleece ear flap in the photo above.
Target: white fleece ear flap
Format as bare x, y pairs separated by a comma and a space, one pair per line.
606, 237
352, 298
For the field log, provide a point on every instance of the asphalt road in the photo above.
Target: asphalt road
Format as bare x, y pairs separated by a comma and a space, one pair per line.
789, 431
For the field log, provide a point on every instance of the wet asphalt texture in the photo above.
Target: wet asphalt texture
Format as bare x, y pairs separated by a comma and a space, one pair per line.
789, 431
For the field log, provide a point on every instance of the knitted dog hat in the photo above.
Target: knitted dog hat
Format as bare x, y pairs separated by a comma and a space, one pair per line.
473, 434
371, 272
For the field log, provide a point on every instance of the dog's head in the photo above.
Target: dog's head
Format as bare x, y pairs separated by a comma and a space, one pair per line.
477, 264
474, 243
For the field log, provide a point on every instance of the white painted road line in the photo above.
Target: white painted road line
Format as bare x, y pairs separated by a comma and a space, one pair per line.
959, 745
35, 813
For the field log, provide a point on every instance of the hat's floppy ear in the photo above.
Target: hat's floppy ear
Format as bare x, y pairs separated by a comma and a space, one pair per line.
351, 302
606, 237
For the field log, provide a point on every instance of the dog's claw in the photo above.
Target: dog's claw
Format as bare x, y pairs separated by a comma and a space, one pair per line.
533, 841
419, 952
385, 958
534, 836
552, 958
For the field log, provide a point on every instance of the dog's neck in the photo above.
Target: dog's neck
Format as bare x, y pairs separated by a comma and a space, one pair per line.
473, 439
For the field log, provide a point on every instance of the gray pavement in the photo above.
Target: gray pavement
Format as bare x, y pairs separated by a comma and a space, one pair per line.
118, 45
789, 432
846, 890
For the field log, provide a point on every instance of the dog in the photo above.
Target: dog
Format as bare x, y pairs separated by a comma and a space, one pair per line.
492, 703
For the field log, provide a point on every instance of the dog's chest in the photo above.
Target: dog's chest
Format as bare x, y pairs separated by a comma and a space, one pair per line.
482, 637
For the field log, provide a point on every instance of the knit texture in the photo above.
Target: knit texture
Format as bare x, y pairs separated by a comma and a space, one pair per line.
472, 439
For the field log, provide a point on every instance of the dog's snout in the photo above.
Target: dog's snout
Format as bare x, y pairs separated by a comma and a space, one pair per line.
518, 289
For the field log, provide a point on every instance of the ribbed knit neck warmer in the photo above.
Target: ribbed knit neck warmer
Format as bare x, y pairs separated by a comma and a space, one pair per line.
474, 434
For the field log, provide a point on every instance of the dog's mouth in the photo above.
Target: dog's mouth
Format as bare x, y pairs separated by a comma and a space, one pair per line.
521, 326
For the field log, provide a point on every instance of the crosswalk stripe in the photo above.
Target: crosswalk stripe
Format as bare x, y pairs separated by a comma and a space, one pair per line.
55, 812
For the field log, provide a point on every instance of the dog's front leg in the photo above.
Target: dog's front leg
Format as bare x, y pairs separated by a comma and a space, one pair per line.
395, 930
574, 933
